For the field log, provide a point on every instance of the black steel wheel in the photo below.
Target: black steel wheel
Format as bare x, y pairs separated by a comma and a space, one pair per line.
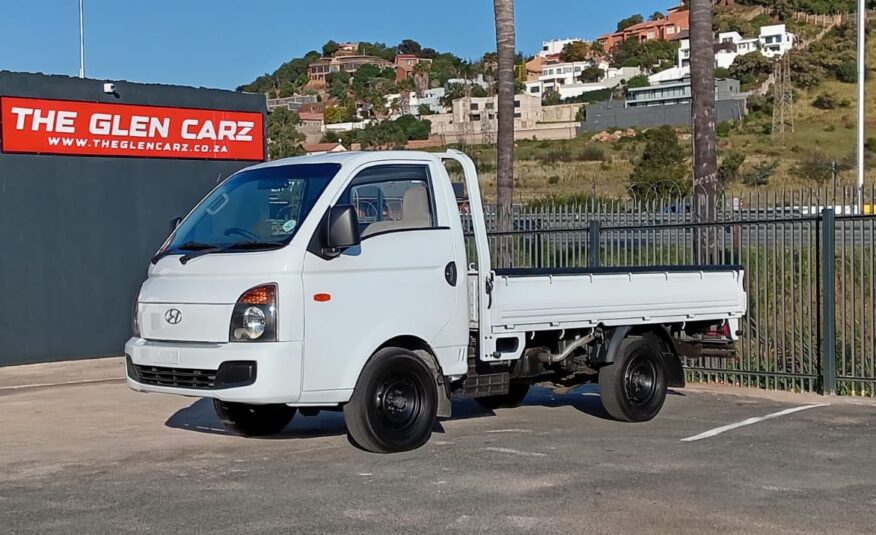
253, 420
514, 398
394, 404
633, 388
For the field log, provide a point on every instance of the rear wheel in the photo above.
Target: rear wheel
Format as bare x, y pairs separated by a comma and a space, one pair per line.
514, 398
633, 388
253, 420
395, 403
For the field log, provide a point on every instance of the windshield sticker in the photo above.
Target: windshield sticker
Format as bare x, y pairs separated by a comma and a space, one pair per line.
218, 204
289, 226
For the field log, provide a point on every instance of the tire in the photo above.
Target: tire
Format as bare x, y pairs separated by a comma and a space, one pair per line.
633, 388
253, 420
394, 404
514, 398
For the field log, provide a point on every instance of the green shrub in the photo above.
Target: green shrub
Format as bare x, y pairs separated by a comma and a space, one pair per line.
592, 153
728, 170
553, 179
724, 128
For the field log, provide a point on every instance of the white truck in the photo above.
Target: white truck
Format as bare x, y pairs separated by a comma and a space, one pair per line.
333, 282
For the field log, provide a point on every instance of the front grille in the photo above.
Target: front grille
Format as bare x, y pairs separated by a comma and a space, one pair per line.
176, 377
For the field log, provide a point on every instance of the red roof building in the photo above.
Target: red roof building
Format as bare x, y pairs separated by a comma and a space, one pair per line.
677, 20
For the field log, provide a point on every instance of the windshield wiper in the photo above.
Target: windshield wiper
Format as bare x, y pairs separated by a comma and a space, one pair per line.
200, 249
187, 246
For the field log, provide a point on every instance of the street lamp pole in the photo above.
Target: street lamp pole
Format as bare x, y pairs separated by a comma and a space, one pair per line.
81, 40
862, 21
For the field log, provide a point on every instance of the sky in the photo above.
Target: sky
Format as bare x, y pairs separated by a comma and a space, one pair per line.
227, 43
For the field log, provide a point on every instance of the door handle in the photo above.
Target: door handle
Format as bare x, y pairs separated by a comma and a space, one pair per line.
450, 273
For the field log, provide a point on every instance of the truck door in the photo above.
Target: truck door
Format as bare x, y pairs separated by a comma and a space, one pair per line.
395, 283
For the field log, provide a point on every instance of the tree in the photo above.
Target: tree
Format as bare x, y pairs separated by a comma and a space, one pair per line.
330, 48
421, 78
662, 169
405, 87
657, 16
591, 75
728, 171
705, 137
639, 80
505, 47
750, 68
551, 97
575, 51
338, 84
284, 139
409, 46
339, 114
629, 21
451, 93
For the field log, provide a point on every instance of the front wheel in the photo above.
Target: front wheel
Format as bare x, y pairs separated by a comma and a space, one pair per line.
633, 388
253, 420
394, 404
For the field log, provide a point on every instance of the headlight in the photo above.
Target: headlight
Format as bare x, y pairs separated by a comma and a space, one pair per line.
135, 319
254, 318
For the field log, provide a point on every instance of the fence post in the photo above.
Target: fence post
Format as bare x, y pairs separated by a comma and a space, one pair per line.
593, 246
828, 301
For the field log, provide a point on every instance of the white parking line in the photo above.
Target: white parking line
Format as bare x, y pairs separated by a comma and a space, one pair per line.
516, 452
718, 430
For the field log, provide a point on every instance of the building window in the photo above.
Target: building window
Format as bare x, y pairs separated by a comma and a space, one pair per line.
475, 117
489, 106
516, 103
474, 106
517, 115
535, 89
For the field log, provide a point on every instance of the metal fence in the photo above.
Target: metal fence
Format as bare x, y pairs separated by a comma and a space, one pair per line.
809, 272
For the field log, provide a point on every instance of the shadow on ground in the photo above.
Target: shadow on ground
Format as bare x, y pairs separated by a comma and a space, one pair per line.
201, 418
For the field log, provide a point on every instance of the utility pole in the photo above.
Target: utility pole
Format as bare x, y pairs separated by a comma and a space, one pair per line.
81, 39
862, 23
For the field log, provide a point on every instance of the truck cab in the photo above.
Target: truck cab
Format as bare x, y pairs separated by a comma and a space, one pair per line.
341, 281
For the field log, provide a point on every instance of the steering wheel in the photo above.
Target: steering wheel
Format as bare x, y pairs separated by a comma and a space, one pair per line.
245, 233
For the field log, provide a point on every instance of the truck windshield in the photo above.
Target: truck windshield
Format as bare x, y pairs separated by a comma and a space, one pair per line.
256, 209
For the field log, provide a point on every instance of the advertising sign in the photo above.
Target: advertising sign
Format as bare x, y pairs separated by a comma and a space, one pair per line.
40, 126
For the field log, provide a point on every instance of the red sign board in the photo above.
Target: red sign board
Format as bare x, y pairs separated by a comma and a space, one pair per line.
29, 125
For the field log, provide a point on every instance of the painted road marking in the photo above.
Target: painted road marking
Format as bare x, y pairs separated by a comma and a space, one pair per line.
517, 452
750, 421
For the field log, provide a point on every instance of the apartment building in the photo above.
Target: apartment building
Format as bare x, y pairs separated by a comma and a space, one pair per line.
775, 41
677, 20
294, 102
318, 70
555, 46
474, 120
405, 65
678, 92
772, 41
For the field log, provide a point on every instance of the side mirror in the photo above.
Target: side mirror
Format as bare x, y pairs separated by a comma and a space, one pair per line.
175, 223
342, 227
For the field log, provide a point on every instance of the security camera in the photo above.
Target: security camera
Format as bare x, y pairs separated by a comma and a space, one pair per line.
109, 88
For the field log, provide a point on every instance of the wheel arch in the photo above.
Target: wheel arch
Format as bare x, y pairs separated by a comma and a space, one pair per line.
422, 349
607, 352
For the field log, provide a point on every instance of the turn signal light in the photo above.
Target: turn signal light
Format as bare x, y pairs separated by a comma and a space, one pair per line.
322, 297
260, 295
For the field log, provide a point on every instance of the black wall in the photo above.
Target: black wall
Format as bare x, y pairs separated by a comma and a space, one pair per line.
77, 232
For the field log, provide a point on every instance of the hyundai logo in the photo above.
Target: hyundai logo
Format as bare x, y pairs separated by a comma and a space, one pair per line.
173, 316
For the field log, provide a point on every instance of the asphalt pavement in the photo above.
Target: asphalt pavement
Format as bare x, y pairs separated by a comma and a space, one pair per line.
93, 457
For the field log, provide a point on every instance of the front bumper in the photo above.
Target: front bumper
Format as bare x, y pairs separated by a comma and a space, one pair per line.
276, 366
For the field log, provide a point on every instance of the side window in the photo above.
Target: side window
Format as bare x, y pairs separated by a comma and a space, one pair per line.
392, 198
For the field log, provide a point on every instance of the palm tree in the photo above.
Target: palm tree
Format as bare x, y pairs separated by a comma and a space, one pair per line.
405, 86
705, 141
421, 77
505, 47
